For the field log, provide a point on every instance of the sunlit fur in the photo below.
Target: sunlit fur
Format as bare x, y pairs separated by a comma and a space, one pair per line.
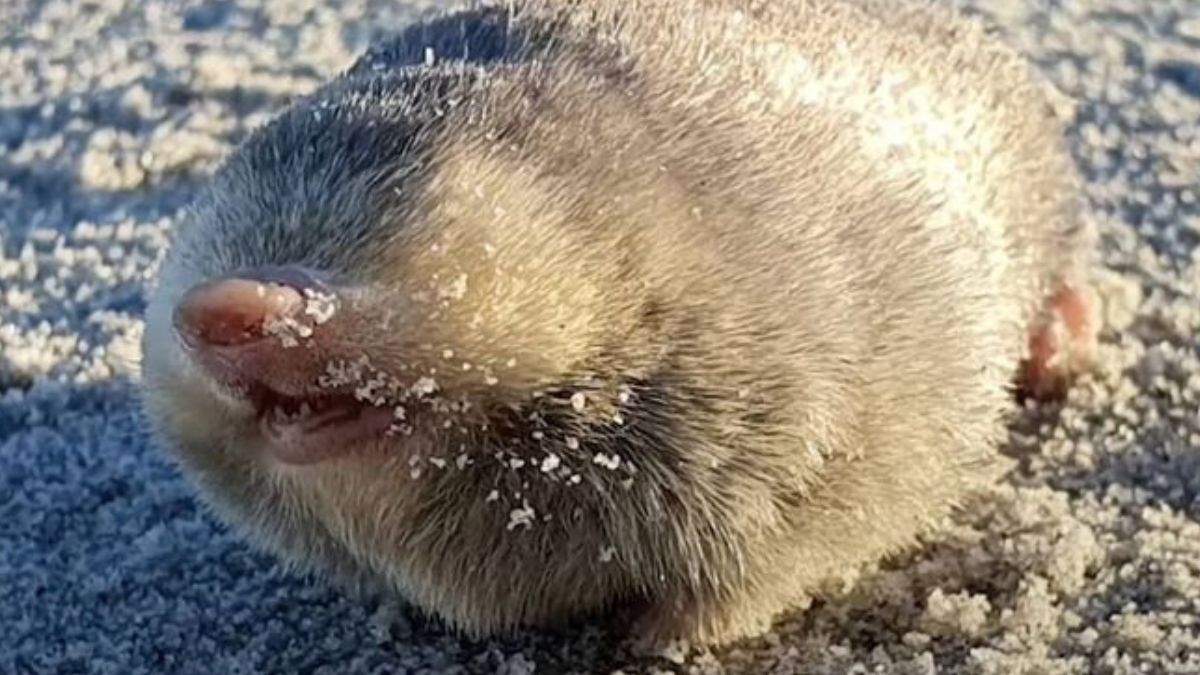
788, 250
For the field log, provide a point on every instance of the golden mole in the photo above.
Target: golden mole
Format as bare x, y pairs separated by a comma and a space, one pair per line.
545, 307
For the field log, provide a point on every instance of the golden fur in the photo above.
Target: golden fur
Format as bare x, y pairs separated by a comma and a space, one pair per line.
788, 252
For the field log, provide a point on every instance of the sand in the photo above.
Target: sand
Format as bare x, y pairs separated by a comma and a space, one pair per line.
1085, 558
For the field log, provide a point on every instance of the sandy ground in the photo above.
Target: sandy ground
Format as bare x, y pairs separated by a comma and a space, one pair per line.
1085, 559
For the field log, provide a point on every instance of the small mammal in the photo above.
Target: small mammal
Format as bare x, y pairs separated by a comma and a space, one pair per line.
548, 306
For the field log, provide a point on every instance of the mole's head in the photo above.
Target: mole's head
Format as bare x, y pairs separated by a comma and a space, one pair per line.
386, 274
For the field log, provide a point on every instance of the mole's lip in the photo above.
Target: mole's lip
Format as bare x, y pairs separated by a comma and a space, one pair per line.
313, 425
304, 431
301, 422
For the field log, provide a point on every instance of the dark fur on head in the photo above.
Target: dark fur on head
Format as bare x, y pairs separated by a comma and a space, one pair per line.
670, 233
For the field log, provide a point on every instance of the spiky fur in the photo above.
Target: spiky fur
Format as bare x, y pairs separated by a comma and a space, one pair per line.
788, 250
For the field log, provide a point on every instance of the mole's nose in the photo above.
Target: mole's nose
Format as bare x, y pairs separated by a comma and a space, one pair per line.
239, 309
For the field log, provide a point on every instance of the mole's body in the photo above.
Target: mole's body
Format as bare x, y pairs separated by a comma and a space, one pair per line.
554, 305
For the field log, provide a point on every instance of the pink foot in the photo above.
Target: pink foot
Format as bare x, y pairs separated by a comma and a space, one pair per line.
1062, 343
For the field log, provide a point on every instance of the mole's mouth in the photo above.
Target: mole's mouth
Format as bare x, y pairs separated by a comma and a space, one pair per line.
311, 429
